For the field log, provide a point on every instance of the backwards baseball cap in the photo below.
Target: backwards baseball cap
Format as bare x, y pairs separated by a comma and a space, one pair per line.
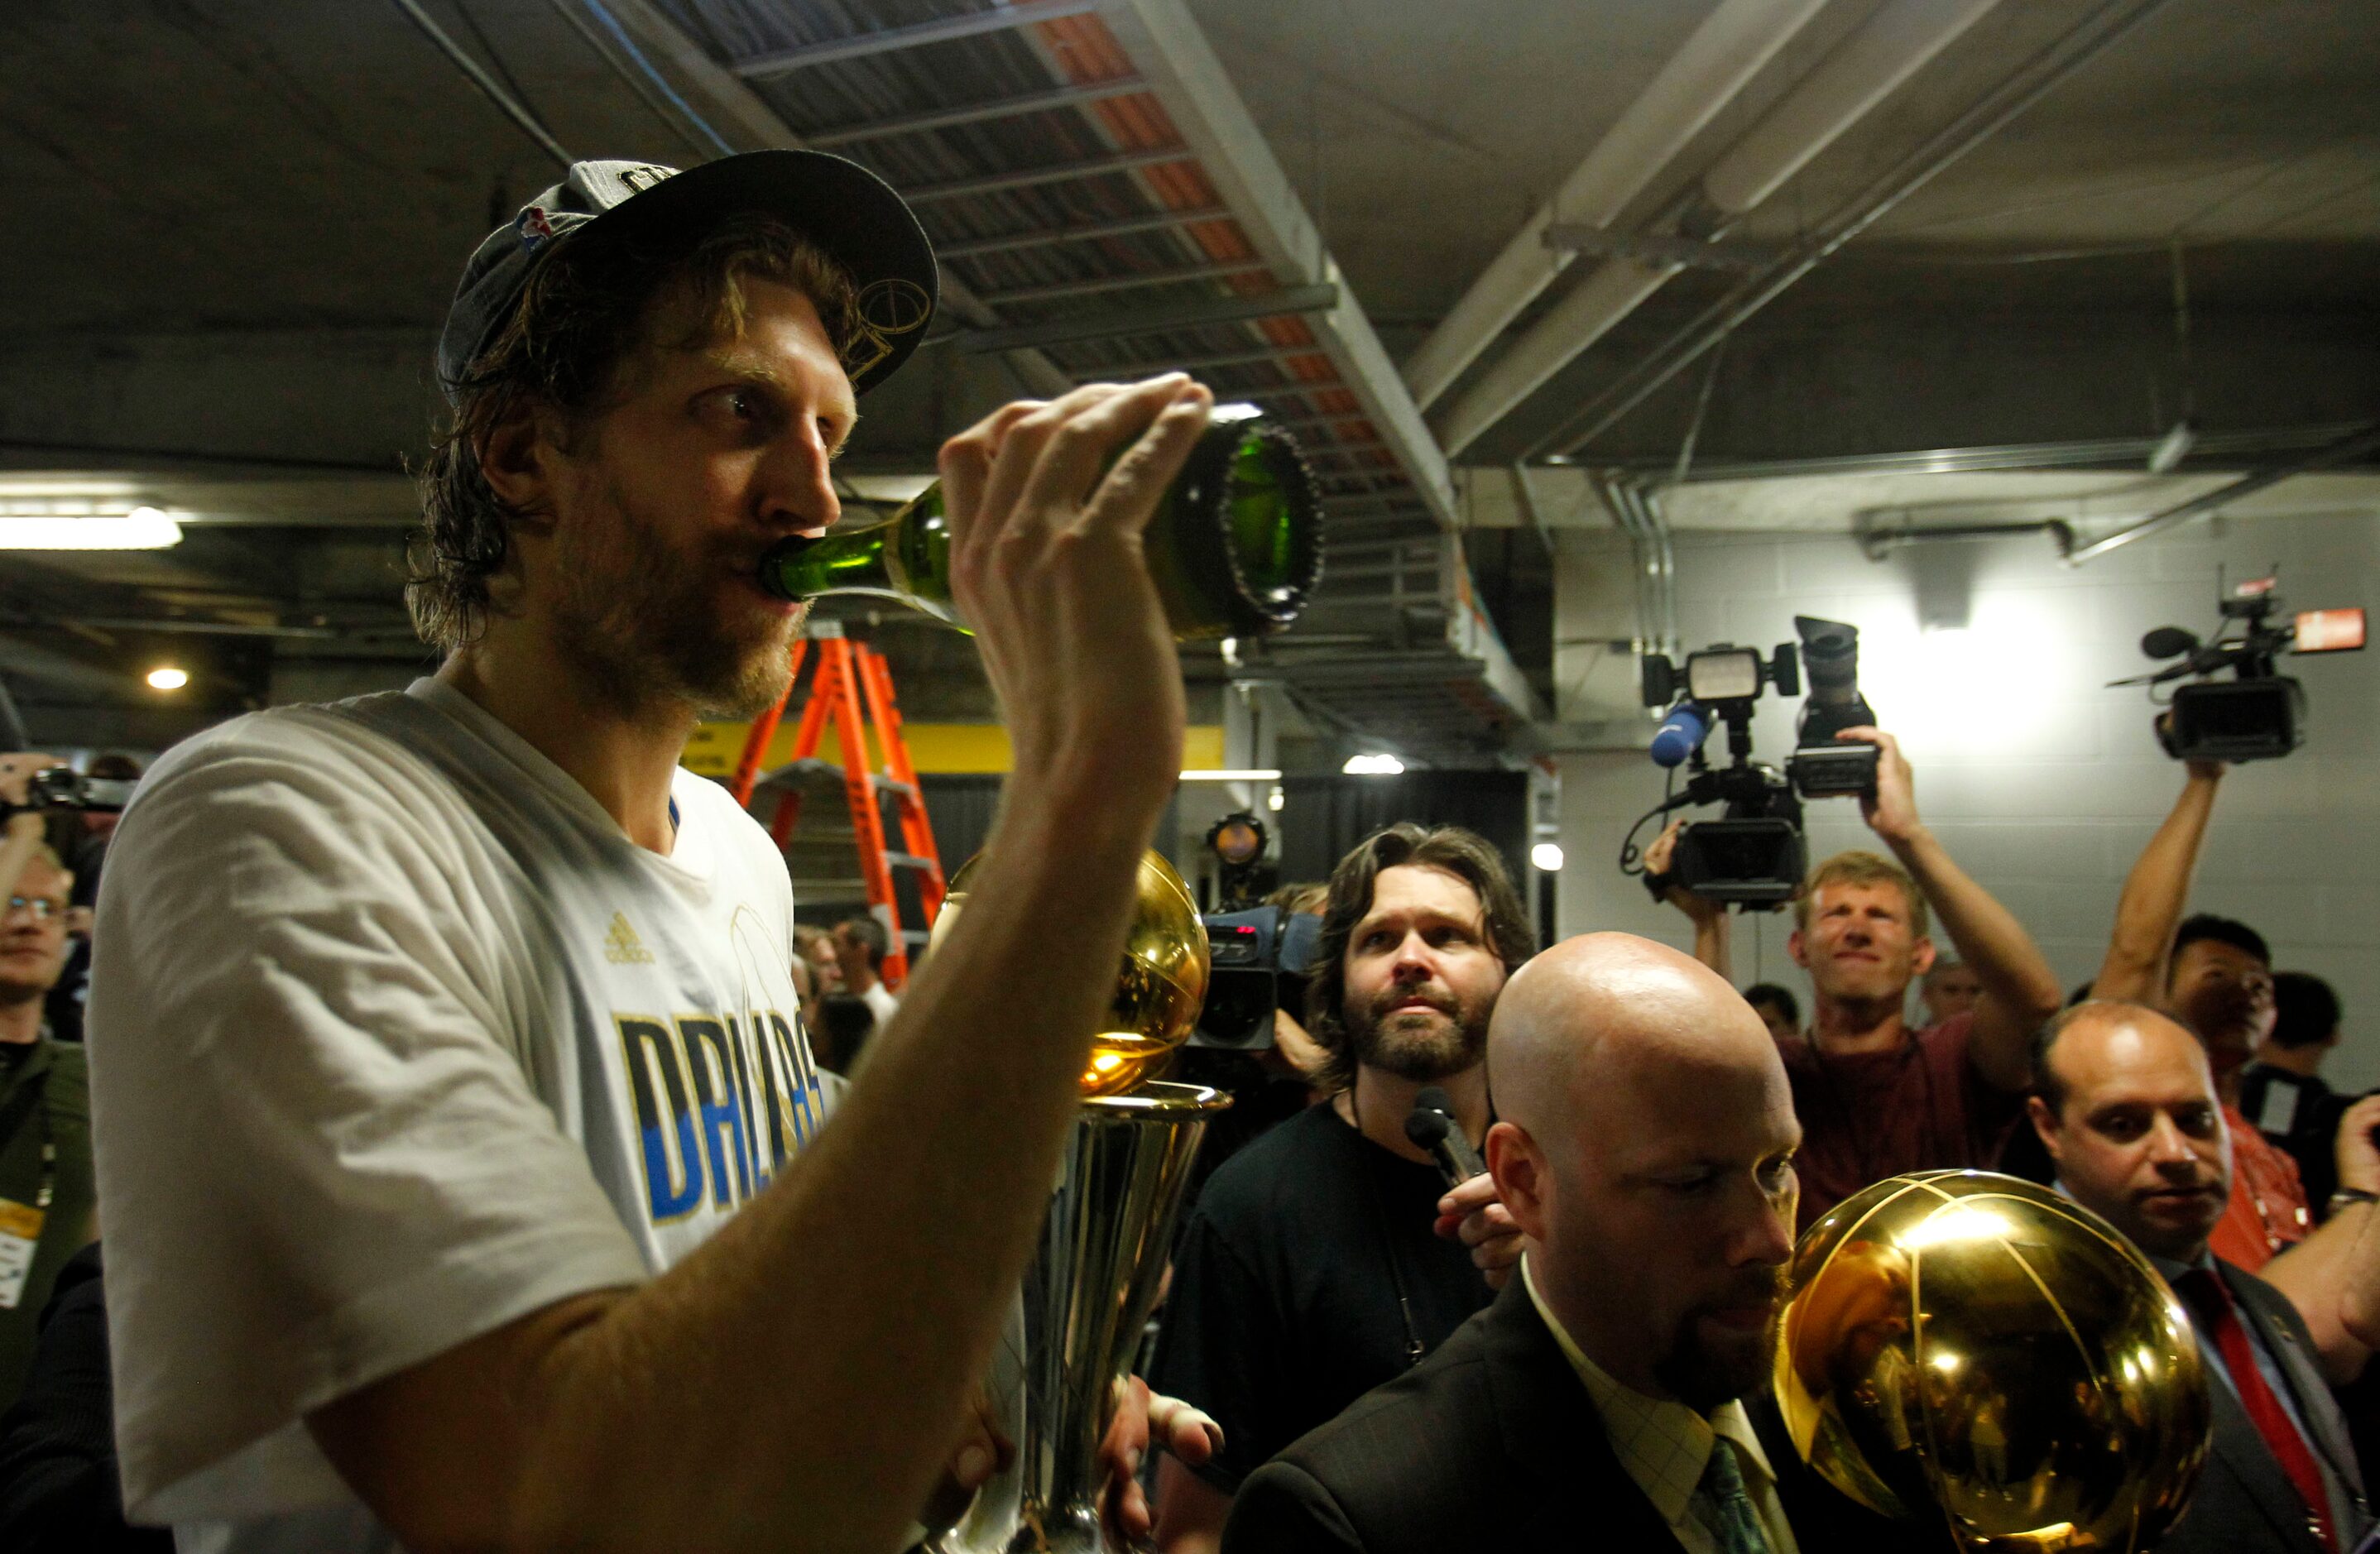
848, 211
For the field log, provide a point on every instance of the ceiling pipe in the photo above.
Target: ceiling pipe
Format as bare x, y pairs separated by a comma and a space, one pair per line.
1684, 96
2015, 93
1859, 73
2344, 451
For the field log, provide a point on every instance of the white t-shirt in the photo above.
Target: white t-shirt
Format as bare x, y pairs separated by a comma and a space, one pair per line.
395, 1036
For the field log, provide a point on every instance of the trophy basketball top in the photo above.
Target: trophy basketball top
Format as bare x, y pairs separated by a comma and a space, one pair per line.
1973, 1348
1159, 987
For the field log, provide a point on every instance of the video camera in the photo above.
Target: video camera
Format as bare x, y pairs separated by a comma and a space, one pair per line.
1261, 959
2256, 714
1754, 856
62, 787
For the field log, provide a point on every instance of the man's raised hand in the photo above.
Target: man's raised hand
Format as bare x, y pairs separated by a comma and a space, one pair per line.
1048, 567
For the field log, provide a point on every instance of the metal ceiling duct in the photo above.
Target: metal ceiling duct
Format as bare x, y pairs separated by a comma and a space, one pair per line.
1700, 79
1843, 87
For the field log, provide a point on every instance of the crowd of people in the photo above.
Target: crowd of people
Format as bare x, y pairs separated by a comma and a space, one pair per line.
487, 1160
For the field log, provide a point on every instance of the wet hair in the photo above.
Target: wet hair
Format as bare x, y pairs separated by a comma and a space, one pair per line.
1467, 856
592, 308
2206, 926
2305, 1010
1782, 999
1858, 867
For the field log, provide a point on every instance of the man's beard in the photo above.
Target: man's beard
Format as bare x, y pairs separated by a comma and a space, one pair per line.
1703, 1377
1420, 1048
638, 616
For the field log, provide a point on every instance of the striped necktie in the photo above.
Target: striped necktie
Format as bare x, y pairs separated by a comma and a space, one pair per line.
1728, 1510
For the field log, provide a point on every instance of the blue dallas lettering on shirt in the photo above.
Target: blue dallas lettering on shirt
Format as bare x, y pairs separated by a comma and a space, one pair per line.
722, 1104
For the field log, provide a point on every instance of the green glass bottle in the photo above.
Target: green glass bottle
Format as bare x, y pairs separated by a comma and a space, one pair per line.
1234, 549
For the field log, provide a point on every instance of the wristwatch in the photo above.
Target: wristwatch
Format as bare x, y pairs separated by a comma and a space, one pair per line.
2347, 1195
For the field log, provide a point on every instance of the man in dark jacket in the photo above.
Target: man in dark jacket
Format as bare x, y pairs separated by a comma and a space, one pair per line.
2128, 1110
1645, 1148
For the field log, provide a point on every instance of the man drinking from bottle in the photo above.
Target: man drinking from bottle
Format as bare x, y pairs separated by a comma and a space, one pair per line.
466, 1177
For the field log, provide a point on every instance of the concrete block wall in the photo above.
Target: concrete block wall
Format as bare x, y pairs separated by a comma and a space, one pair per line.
2044, 783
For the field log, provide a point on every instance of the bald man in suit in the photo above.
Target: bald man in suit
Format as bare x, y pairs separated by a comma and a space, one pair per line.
1644, 1146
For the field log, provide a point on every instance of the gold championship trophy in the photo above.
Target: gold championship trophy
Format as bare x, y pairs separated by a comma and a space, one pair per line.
1980, 1354
1103, 1245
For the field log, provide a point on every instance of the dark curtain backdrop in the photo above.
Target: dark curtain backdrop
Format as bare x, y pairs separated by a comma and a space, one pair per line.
1322, 818
960, 805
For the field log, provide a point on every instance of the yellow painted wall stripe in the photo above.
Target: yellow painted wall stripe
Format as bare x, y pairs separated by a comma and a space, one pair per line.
935, 747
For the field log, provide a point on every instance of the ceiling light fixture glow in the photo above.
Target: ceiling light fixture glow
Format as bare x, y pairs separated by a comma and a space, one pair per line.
166, 677
143, 528
1548, 856
1376, 764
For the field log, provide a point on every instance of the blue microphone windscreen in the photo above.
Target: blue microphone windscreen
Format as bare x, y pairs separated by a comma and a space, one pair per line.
1680, 734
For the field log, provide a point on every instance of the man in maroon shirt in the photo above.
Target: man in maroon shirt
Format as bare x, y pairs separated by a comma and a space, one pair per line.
1874, 1097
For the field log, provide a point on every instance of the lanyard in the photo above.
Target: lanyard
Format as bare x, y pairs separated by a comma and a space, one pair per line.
47, 1192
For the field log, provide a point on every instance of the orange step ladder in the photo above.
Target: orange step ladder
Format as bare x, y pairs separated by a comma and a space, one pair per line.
850, 683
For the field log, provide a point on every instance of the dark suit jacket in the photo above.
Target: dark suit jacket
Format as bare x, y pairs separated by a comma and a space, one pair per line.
1492, 1442
2245, 1504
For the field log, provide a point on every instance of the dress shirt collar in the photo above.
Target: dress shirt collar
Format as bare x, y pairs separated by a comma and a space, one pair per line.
1663, 1445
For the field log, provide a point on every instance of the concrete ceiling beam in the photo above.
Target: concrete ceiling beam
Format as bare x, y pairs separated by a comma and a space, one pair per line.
1700, 79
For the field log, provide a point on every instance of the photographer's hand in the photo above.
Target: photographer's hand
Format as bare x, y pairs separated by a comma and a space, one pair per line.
21, 836
1891, 810
17, 769
1709, 917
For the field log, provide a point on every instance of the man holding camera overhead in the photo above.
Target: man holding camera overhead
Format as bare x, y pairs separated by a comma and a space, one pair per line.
1874, 1097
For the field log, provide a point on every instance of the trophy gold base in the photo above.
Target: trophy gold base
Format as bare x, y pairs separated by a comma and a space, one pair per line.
1087, 1300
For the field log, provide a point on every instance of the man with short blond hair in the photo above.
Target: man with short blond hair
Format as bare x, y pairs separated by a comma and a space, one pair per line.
1856, 866
45, 1176
1876, 1097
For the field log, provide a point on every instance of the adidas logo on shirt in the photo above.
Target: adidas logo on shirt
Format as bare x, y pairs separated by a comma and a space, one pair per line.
621, 947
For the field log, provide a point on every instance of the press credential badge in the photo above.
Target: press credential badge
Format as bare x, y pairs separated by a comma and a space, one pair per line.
20, 1235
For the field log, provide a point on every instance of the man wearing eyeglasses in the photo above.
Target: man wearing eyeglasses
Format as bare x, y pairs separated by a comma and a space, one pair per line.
46, 1173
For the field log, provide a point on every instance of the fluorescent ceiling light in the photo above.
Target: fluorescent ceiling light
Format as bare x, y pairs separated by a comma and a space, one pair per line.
1373, 765
1229, 775
1235, 410
165, 677
143, 528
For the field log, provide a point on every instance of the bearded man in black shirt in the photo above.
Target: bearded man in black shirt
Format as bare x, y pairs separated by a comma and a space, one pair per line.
1328, 1257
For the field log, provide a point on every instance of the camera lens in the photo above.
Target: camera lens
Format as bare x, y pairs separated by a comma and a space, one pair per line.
1830, 657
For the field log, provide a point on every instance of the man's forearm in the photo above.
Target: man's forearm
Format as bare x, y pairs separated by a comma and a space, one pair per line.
1712, 946
2154, 896
797, 1381
2331, 1278
2359, 1311
2020, 990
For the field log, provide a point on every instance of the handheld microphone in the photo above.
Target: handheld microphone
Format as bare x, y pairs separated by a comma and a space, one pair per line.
1430, 1126
1680, 734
